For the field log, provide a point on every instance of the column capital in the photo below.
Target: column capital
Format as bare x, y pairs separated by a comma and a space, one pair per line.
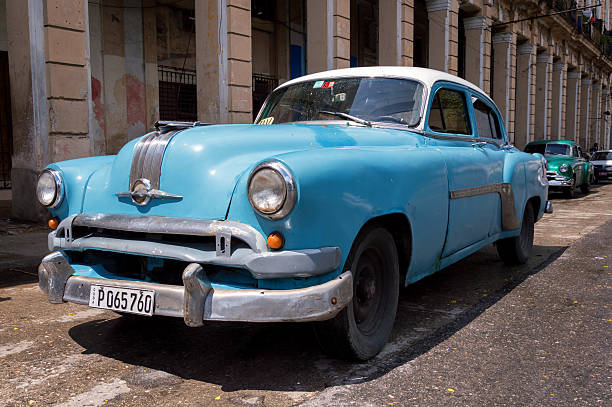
587, 81
499, 38
543, 58
574, 75
525, 48
475, 23
438, 5
559, 66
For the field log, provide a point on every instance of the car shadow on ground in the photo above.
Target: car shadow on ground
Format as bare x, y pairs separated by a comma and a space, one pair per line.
286, 357
18, 275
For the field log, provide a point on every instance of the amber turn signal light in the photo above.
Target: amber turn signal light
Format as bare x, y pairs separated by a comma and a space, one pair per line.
275, 241
53, 223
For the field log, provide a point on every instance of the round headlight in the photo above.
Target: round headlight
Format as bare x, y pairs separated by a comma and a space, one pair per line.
49, 188
271, 190
563, 168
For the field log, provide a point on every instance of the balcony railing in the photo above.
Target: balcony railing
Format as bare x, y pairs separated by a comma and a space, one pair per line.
594, 30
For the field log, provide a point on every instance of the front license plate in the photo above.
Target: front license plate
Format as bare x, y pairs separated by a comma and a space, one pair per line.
122, 299
603, 174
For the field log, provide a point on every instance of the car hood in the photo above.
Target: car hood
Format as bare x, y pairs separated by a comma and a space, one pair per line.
554, 161
203, 164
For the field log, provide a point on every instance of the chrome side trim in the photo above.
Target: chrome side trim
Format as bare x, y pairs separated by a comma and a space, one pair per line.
508, 212
147, 159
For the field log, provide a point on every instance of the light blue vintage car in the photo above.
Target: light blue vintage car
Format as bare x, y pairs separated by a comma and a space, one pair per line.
351, 184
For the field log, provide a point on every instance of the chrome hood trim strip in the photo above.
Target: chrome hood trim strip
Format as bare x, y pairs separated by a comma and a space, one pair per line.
147, 159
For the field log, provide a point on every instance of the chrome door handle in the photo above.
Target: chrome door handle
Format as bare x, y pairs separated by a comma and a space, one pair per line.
479, 144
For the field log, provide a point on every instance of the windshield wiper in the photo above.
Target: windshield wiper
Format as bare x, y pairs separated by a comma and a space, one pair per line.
348, 117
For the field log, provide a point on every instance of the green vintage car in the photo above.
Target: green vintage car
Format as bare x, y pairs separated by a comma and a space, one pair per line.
567, 168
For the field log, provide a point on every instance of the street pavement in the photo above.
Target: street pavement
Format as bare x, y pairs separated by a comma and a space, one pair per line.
477, 333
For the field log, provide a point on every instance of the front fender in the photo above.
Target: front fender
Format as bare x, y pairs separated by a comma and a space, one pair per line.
76, 175
340, 189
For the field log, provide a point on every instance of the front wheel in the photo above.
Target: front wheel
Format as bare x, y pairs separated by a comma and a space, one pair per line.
570, 192
516, 250
361, 329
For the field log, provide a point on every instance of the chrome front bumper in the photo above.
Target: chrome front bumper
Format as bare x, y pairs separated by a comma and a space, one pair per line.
198, 301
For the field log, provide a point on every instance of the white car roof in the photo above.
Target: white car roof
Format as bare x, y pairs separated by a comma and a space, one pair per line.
425, 75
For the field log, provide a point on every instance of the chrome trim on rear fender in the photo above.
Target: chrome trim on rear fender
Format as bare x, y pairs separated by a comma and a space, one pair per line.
508, 213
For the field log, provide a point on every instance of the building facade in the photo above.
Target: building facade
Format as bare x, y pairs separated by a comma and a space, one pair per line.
81, 78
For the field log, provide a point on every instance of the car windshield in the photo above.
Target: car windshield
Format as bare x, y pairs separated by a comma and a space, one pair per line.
358, 99
549, 149
601, 156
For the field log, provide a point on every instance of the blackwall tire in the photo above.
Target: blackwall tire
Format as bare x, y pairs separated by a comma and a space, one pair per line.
361, 329
517, 250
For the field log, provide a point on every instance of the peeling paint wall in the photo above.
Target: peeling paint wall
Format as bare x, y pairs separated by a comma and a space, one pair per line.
123, 75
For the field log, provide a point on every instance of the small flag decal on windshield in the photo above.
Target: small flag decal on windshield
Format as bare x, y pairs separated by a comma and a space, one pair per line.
328, 85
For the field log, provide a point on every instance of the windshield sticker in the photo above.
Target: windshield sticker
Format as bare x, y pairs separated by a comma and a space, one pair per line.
267, 120
328, 85
318, 84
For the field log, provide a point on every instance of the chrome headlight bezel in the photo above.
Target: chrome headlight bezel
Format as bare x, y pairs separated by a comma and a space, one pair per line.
290, 195
563, 168
59, 188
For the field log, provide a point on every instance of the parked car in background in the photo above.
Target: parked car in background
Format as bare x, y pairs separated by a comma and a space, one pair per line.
351, 184
602, 165
567, 167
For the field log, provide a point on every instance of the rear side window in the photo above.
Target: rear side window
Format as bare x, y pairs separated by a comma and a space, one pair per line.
486, 120
448, 113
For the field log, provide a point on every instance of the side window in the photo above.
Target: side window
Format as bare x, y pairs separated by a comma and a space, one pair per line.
486, 120
483, 119
448, 113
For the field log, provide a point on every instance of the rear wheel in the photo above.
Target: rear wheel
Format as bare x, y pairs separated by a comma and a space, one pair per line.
516, 250
584, 188
361, 329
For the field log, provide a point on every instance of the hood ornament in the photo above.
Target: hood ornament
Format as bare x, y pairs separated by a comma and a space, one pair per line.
142, 193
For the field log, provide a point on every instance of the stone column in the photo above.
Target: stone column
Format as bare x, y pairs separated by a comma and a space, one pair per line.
328, 30
604, 120
572, 105
223, 61
525, 92
150, 59
478, 51
585, 112
543, 90
595, 116
503, 90
49, 73
395, 32
443, 35
558, 101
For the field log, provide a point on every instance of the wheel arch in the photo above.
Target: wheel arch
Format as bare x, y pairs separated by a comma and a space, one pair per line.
400, 228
